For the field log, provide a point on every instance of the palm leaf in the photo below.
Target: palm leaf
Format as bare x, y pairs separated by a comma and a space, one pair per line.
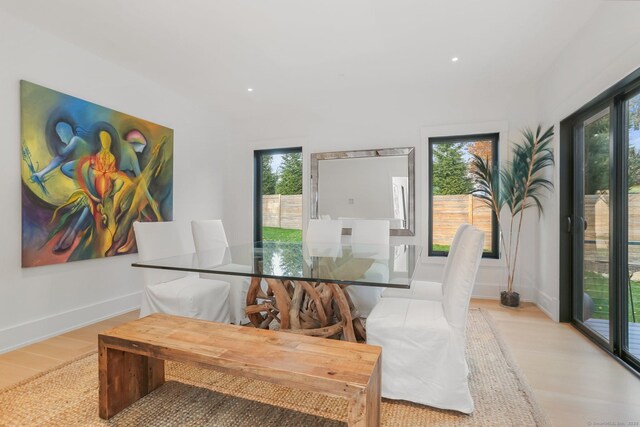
487, 183
519, 184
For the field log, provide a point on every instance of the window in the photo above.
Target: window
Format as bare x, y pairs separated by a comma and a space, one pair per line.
278, 195
450, 186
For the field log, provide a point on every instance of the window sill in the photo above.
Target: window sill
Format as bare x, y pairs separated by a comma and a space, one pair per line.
484, 263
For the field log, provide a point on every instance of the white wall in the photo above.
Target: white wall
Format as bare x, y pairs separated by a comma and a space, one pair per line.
606, 50
43, 301
214, 168
384, 120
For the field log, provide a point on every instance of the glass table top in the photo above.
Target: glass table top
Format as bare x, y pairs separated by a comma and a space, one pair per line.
390, 266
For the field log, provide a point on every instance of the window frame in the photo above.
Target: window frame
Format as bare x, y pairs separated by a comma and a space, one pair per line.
257, 184
494, 137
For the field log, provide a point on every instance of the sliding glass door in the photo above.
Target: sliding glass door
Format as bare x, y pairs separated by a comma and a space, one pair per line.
631, 327
600, 220
592, 224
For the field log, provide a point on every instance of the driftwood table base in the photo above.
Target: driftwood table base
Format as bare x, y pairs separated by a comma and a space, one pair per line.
307, 308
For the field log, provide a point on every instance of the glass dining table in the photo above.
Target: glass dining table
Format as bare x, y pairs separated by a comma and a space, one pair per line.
302, 286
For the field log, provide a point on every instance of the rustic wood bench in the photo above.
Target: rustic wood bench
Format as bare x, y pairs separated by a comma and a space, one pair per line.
131, 361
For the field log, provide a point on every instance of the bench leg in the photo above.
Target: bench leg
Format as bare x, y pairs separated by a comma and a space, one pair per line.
364, 408
124, 378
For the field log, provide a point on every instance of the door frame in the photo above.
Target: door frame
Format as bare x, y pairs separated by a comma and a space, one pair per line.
615, 97
578, 225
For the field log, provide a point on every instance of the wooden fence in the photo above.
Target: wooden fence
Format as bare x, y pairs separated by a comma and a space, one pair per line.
448, 212
451, 211
282, 211
596, 234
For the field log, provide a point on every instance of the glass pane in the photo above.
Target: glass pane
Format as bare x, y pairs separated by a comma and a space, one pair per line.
364, 265
452, 181
633, 228
282, 197
595, 298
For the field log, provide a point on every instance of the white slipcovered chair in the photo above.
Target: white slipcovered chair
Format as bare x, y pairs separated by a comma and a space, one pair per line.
323, 239
370, 232
423, 342
176, 292
324, 231
424, 289
366, 234
211, 244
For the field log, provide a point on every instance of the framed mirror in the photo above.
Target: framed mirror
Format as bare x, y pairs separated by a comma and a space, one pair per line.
365, 184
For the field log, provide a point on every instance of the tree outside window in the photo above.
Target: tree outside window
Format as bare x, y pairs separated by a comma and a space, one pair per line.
451, 184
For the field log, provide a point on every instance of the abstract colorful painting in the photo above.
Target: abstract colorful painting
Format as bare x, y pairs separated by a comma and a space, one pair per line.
88, 173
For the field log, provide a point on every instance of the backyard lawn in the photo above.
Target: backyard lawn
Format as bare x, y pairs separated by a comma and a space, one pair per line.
272, 234
597, 286
445, 248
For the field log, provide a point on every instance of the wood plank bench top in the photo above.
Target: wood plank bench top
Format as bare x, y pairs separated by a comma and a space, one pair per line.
132, 359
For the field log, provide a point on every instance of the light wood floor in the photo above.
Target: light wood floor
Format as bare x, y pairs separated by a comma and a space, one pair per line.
576, 382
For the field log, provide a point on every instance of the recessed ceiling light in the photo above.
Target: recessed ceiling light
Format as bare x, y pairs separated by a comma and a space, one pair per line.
454, 59
250, 89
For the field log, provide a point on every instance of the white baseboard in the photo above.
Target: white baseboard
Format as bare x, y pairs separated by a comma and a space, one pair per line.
27, 333
492, 291
548, 304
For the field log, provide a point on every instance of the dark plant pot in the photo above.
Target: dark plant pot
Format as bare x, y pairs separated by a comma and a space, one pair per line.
509, 299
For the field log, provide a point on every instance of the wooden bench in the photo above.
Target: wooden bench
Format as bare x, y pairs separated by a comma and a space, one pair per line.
131, 361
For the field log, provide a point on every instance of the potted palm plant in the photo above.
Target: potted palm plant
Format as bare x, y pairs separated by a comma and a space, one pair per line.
518, 185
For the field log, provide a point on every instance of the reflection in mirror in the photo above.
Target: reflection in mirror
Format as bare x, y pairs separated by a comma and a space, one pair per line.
365, 184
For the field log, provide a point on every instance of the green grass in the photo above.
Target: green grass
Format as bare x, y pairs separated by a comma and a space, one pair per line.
440, 248
597, 286
445, 248
272, 234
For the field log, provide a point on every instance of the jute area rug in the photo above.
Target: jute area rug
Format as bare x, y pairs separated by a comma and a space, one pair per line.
68, 396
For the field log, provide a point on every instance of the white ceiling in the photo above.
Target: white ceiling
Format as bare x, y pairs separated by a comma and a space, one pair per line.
296, 52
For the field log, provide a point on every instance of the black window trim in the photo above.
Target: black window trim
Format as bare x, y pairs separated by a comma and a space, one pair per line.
257, 184
495, 234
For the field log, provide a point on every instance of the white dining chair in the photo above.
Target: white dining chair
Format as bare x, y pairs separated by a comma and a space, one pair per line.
425, 289
211, 242
423, 342
323, 238
324, 231
370, 233
176, 292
